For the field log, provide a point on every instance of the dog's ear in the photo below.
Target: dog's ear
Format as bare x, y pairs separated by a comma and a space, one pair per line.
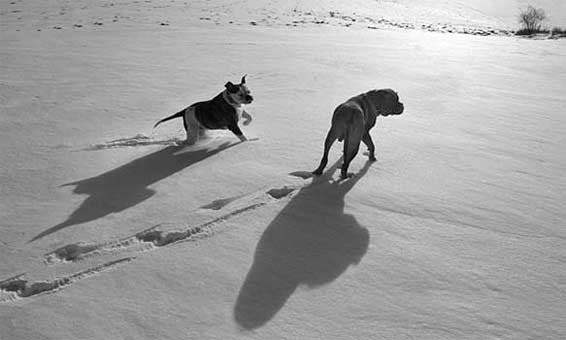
231, 87
243, 79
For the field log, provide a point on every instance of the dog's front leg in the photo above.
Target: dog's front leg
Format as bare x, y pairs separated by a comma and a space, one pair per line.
247, 117
369, 143
236, 130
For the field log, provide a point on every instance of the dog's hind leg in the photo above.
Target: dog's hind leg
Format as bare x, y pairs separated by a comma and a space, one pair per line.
330, 138
351, 146
192, 127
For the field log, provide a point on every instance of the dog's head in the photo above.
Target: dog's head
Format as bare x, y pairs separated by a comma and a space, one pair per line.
386, 101
239, 93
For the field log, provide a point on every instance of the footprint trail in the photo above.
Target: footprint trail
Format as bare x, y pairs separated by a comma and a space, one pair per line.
16, 287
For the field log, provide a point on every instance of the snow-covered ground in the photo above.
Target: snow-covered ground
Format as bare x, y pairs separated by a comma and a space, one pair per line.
111, 230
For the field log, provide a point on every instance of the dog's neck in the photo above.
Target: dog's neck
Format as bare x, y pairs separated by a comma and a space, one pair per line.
372, 105
230, 101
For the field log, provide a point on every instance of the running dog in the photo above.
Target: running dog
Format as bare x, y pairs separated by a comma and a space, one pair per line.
221, 112
352, 121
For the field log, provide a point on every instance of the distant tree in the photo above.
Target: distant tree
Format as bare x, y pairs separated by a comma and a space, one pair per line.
531, 19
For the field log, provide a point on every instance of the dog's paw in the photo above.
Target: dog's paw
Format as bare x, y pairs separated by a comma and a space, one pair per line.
186, 142
347, 175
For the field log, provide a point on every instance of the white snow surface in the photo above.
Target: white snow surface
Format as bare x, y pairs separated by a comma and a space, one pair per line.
110, 229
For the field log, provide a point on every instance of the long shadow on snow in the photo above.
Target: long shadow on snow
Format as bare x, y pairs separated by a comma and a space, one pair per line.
127, 185
311, 242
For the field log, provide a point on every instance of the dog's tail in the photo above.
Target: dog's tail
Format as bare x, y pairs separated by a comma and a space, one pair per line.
176, 115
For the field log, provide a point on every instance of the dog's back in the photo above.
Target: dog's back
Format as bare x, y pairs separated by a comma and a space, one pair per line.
215, 113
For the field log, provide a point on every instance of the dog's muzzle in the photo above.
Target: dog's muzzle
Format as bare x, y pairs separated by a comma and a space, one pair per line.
399, 108
249, 99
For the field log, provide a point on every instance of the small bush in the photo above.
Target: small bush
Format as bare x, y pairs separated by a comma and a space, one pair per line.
531, 20
558, 32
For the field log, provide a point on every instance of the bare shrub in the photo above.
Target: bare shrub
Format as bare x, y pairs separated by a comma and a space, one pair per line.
531, 19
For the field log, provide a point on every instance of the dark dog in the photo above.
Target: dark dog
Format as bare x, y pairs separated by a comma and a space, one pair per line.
352, 121
221, 112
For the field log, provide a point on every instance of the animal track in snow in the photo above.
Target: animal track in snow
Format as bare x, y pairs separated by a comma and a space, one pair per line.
281, 192
16, 287
302, 174
78, 251
220, 203
137, 140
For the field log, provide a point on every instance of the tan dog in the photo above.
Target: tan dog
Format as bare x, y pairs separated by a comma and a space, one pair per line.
352, 121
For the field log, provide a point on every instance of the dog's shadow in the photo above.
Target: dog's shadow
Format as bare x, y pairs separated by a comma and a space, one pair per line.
127, 185
311, 242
